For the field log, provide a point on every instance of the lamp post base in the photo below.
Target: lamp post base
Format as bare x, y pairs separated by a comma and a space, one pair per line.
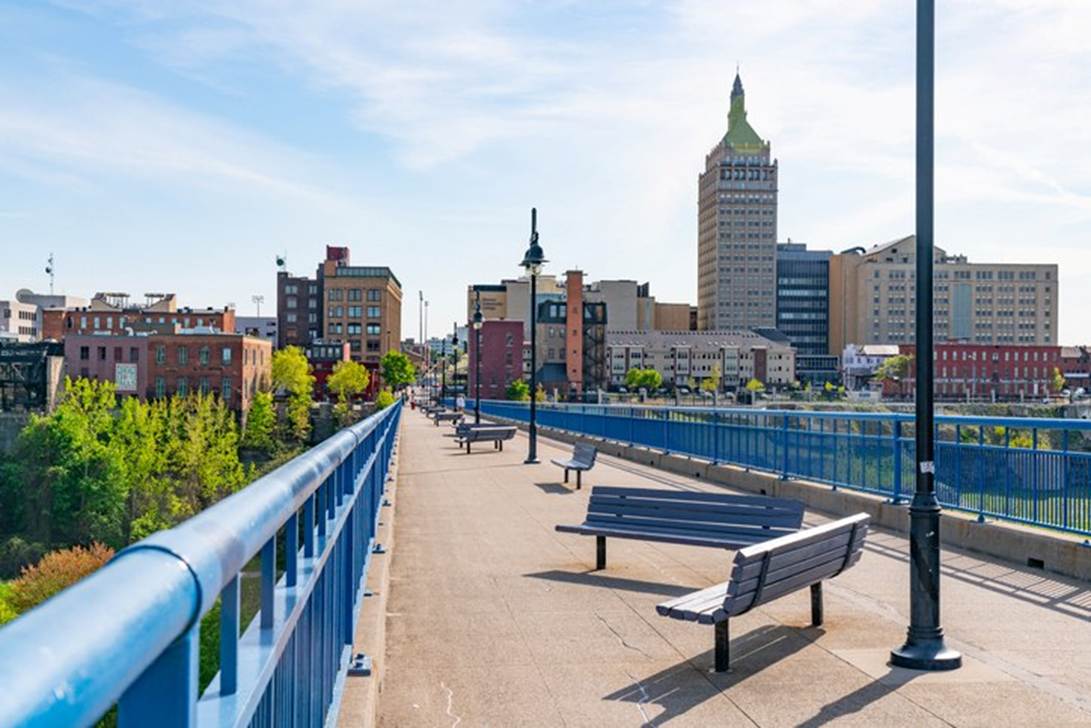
930, 655
531, 461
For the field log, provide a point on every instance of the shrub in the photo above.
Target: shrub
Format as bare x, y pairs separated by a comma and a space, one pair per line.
384, 400
55, 571
7, 612
16, 553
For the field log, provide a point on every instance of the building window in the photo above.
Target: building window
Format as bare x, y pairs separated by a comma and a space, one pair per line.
160, 354
356, 311
374, 329
203, 355
160, 387
291, 302
204, 385
374, 295
134, 354
225, 390
183, 355
354, 294
335, 294
290, 317
373, 345
373, 311
225, 355
85, 353
182, 387
102, 353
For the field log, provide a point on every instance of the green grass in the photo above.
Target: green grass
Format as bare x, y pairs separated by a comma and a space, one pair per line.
7, 612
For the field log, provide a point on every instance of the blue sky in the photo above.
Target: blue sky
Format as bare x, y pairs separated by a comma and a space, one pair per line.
180, 146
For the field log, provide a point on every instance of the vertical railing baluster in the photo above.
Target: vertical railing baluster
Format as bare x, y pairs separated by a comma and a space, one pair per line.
308, 531
291, 551
165, 694
268, 581
1034, 469
897, 429
1064, 479
229, 637
784, 445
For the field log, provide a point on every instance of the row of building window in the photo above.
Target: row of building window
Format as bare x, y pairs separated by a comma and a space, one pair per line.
353, 294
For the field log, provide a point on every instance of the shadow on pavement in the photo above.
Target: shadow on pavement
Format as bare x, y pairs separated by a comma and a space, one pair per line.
554, 488
686, 685
594, 579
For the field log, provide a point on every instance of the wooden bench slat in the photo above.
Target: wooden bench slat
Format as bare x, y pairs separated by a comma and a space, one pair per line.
690, 495
787, 558
800, 538
660, 537
732, 514
725, 530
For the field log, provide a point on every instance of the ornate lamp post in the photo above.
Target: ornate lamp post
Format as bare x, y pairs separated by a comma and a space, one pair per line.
924, 648
478, 320
443, 370
532, 263
454, 356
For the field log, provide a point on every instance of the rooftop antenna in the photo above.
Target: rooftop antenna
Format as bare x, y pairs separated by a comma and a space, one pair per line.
258, 300
49, 270
282, 262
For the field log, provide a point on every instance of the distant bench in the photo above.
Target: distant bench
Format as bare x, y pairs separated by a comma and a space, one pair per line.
771, 570
717, 520
496, 434
446, 417
583, 458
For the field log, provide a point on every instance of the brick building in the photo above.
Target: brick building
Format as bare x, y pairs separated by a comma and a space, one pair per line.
152, 366
358, 305
502, 354
984, 371
324, 356
113, 314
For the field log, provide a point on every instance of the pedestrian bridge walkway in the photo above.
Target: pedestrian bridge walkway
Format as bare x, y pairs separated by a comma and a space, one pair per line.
493, 618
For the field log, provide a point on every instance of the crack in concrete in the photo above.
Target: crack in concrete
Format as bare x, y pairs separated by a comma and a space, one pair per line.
620, 639
450, 705
643, 699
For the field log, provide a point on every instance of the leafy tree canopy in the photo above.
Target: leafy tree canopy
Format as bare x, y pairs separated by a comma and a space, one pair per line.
397, 371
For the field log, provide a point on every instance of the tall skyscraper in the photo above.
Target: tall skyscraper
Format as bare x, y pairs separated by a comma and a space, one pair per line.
737, 227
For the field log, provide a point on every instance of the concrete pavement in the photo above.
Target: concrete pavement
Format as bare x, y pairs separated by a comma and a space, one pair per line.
494, 619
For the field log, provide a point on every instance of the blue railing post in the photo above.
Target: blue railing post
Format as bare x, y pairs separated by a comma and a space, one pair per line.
897, 496
979, 459
784, 441
1064, 479
1034, 469
715, 437
268, 581
291, 551
165, 695
229, 637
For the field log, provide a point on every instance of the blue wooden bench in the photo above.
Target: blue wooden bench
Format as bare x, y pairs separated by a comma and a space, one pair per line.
716, 520
583, 458
770, 570
447, 416
496, 434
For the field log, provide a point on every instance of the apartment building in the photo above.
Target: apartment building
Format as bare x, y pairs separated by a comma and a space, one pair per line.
989, 371
737, 227
873, 298
685, 357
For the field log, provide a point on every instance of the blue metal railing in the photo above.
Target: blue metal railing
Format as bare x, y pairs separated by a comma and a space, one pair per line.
1031, 470
128, 634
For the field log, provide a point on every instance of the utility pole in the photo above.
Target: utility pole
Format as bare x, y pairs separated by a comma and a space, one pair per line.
49, 269
258, 300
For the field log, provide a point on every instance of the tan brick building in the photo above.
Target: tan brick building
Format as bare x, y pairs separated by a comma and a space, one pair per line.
873, 298
233, 366
737, 228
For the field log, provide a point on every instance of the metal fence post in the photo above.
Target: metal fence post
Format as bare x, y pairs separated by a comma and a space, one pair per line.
784, 441
897, 497
165, 695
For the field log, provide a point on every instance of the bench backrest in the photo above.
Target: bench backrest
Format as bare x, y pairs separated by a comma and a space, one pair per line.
723, 516
494, 432
769, 570
584, 454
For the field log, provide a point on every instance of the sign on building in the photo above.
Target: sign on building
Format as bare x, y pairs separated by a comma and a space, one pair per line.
125, 377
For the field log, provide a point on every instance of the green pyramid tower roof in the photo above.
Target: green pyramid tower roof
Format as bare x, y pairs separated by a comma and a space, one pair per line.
740, 135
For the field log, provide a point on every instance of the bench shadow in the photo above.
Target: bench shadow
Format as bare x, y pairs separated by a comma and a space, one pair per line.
599, 580
682, 687
554, 488
859, 699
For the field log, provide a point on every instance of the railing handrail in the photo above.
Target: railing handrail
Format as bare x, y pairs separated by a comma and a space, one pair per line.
1041, 423
68, 660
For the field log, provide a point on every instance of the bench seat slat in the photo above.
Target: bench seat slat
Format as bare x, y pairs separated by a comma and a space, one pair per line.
644, 534
708, 513
710, 530
694, 496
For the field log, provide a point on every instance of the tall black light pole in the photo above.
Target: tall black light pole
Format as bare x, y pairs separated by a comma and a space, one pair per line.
532, 263
478, 320
443, 370
454, 357
924, 648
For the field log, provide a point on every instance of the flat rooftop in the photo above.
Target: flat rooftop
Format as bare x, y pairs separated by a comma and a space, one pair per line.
495, 619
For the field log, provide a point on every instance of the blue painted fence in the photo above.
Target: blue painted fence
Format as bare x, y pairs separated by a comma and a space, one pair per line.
1030, 470
128, 634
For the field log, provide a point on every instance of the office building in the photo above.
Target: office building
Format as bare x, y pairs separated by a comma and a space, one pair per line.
114, 313
873, 298
737, 227
685, 358
18, 322
803, 310
361, 305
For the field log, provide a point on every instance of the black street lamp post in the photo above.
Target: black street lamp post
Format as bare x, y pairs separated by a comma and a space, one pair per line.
478, 320
443, 370
532, 263
454, 357
924, 647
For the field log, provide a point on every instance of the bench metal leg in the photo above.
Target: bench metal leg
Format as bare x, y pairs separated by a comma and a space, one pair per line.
566, 475
579, 480
816, 604
722, 647
501, 444
600, 552
467, 447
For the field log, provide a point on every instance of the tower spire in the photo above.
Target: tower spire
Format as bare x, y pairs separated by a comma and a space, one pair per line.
736, 89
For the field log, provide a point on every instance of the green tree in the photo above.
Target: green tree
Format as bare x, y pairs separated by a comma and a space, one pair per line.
649, 379
349, 379
384, 399
292, 375
261, 423
539, 394
711, 383
396, 370
894, 368
518, 391
755, 386
1058, 381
